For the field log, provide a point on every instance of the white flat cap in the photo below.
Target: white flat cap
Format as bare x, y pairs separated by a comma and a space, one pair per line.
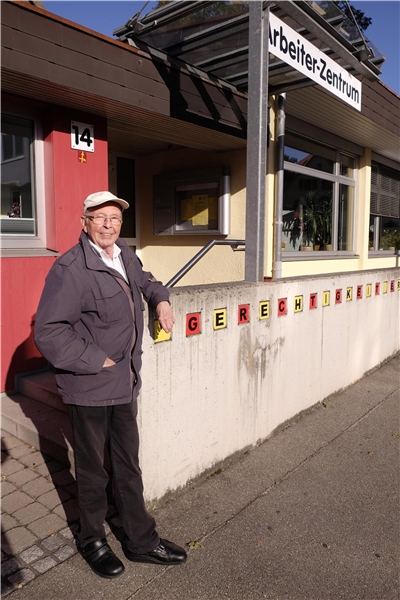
101, 197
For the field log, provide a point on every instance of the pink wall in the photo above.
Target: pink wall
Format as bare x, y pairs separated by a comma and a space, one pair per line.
22, 281
67, 183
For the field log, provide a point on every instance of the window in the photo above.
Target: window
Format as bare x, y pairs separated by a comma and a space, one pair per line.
192, 202
19, 224
121, 181
318, 197
384, 224
126, 190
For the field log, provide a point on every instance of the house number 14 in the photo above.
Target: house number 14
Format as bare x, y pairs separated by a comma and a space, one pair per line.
82, 136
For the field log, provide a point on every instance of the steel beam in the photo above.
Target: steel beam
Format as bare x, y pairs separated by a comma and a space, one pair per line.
256, 168
281, 117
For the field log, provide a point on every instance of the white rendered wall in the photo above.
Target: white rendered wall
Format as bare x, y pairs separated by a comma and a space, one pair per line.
207, 396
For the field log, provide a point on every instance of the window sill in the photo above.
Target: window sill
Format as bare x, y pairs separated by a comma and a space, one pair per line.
27, 252
317, 255
383, 253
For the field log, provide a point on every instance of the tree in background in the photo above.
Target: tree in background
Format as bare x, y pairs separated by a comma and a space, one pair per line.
218, 9
362, 21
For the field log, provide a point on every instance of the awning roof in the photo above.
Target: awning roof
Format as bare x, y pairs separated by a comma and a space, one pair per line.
213, 37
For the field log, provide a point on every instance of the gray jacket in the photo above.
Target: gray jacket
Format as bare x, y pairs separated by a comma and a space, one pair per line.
84, 316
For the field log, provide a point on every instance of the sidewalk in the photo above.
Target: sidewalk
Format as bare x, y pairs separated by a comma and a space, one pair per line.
312, 514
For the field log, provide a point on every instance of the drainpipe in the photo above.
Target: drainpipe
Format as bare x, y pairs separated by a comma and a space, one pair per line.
278, 223
256, 161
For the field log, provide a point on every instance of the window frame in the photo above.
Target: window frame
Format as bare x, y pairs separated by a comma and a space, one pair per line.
377, 217
337, 179
27, 241
113, 155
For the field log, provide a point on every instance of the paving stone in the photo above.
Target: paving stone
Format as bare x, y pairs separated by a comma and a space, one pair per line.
19, 451
31, 554
6, 589
54, 498
15, 501
11, 466
69, 532
45, 564
116, 522
47, 525
63, 477
31, 513
111, 511
9, 566
71, 488
18, 539
53, 542
19, 479
47, 468
33, 460
65, 552
8, 522
9, 441
22, 577
68, 510
3, 556
37, 487
107, 529
7, 488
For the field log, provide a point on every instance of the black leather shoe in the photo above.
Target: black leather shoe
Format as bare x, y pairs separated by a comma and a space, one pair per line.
102, 559
166, 553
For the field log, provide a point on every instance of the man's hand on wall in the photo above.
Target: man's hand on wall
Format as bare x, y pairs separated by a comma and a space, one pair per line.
165, 316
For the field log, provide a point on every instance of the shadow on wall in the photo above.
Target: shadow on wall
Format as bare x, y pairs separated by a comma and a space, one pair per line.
44, 420
5, 545
23, 356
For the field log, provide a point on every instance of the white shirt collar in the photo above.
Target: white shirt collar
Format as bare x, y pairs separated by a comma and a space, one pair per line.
102, 253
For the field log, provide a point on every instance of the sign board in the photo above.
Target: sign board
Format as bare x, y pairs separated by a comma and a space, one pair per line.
326, 298
82, 136
159, 334
193, 324
313, 301
285, 43
282, 307
264, 310
243, 313
220, 318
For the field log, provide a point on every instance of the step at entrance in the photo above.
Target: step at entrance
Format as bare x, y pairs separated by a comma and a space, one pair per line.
37, 416
43, 388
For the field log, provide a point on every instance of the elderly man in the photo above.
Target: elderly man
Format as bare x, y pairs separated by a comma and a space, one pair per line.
89, 325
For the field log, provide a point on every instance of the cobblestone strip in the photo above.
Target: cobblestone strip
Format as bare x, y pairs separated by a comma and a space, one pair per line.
37, 493
34, 491
19, 570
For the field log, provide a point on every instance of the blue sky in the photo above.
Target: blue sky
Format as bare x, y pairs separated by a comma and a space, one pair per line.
105, 16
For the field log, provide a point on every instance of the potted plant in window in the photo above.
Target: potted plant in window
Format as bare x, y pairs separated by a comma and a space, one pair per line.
390, 241
303, 225
325, 222
311, 220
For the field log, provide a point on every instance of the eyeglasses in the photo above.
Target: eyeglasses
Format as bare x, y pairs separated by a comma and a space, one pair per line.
101, 220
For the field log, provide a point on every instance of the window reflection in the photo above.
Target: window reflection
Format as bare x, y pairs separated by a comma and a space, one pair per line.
17, 197
345, 220
311, 200
308, 153
307, 213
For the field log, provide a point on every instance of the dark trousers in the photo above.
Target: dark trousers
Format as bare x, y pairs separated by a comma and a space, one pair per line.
93, 428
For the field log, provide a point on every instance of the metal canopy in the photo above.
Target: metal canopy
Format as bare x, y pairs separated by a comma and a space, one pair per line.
229, 42
213, 37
